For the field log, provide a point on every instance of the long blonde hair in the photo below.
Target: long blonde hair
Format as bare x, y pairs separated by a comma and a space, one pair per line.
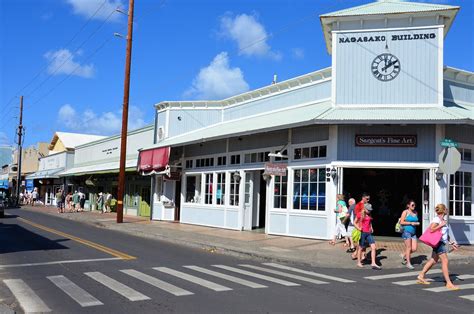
340, 197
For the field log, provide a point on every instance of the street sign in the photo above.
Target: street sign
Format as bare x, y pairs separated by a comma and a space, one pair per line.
448, 143
449, 160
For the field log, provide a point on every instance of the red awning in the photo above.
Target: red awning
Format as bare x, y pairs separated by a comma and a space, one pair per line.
154, 159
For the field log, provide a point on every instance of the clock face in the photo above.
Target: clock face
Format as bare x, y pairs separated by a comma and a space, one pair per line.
385, 67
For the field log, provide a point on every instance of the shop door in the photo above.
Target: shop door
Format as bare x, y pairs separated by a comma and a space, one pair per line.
177, 200
248, 201
427, 197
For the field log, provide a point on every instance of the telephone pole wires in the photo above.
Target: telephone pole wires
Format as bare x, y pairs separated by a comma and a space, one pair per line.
126, 93
20, 134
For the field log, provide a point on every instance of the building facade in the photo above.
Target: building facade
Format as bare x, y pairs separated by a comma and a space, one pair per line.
275, 158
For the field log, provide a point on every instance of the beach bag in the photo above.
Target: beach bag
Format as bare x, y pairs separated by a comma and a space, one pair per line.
398, 227
356, 235
431, 238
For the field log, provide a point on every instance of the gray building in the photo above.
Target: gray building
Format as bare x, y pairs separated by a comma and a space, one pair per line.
275, 158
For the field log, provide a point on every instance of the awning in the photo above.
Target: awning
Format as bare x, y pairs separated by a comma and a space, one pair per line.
153, 160
4, 184
45, 174
101, 168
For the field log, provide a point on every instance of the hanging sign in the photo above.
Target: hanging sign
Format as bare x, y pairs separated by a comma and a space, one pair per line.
386, 140
275, 169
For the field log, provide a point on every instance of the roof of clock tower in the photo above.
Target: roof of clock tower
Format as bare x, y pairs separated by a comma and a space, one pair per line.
386, 10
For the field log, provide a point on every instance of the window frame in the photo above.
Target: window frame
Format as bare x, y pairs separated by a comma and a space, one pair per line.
452, 194
309, 145
291, 193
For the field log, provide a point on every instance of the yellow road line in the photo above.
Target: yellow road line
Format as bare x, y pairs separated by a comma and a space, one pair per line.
82, 241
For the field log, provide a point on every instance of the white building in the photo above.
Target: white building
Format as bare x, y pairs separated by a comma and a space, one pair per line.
372, 122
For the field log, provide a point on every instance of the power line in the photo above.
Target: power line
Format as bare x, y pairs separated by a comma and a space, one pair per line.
67, 44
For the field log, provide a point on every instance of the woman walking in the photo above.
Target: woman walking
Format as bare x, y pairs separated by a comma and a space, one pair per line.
341, 214
440, 252
409, 221
364, 224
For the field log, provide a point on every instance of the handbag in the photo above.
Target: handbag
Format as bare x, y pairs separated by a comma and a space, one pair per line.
398, 227
431, 238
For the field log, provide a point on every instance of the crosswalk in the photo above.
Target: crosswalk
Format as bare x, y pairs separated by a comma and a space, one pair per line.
437, 280
188, 277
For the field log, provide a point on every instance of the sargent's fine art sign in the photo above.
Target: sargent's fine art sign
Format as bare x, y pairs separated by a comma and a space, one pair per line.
386, 140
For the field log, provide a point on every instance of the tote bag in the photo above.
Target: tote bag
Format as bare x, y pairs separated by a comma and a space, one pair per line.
431, 238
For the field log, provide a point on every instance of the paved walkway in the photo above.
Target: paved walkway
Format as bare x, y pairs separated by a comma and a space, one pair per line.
276, 248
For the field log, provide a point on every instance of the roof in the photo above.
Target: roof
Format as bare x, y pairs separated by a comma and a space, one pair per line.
107, 167
260, 123
387, 8
448, 114
390, 7
45, 174
72, 140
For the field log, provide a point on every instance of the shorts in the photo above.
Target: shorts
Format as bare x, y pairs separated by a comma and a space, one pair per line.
441, 248
340, 229
408, 235
366, 239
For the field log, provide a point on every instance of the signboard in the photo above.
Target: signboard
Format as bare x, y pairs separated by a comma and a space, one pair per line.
29, 185
449, 160
386, 140
275, 169
448, 143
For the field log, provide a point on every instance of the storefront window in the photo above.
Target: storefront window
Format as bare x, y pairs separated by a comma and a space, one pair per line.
208, 192
235, 160
189, 164
310, 152
234, 191
205, 162
309, 189
251, 158
466, 154
220, 189
221, 161
279, 192
460, 194
193, 189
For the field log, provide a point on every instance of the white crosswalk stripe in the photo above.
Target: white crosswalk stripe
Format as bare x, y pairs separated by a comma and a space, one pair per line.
120, 288
259, 276
29, 301
444, 289
468, 297
226, 277
414, 282
199, 281
157, 282
399, 275
280, 273
74, 291
311, 273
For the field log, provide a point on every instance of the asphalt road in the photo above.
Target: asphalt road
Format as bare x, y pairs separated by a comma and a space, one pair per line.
50, 264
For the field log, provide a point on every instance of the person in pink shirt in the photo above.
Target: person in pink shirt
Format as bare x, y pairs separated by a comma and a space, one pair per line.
364, 224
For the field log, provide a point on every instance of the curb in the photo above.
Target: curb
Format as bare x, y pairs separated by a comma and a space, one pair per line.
240, 252
4, 309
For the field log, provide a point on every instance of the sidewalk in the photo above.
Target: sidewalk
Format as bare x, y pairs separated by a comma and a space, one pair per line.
276, 248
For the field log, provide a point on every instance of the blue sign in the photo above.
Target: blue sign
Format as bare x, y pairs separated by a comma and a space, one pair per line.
4, 184
29, 185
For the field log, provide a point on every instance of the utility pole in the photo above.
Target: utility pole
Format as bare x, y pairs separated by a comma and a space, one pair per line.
20, 133
126, 94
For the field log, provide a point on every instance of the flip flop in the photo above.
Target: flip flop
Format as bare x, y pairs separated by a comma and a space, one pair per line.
376, 267
423, 282
453, 288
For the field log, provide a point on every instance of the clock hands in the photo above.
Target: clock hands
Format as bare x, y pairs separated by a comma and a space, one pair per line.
389, 65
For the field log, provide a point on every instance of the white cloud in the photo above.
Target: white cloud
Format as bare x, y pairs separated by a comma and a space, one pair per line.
87, 8
218, 80
250, 35
298, 53
4, 139
105, 123
62, 62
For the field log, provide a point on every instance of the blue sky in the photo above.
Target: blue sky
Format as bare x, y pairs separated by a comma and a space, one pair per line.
70, 67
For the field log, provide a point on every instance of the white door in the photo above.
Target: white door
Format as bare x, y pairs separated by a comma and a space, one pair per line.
427, 196
248, 201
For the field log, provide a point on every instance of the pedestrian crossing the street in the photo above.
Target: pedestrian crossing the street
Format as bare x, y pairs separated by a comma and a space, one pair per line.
437, 280
181, 282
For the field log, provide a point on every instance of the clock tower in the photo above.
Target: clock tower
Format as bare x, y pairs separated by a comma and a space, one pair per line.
388, 53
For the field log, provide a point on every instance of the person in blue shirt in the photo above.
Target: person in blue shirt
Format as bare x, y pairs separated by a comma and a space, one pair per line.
409, 222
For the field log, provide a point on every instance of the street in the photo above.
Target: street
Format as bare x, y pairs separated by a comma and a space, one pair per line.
50, 264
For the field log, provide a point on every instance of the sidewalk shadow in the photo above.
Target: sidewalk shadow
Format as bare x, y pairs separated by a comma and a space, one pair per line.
418, 260
7, 216
378, 256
